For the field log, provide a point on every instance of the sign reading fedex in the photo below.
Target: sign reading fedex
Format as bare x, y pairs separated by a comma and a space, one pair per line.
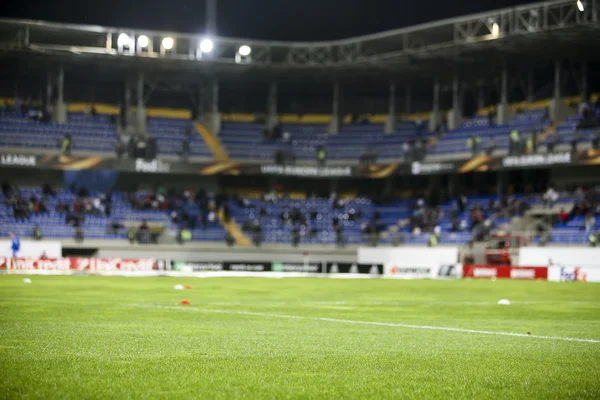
565, 264
572, 275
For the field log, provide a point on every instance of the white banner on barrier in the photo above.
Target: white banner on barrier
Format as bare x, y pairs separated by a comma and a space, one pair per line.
32, 249
549, 256
574, 274
565, 264
411, 261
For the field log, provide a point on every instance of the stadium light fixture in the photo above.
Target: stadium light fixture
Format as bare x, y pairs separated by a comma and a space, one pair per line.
143, 41
580, 5
206, 45
244, 50
495, 30
123, 40
168, 43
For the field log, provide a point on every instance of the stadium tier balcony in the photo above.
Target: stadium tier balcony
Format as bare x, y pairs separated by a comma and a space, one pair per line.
89, 134
454, 143
94, 134
170, 133
245, 141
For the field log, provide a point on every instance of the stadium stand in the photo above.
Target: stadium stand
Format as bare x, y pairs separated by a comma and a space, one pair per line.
95, 134
454, 143
246, 141
89, 134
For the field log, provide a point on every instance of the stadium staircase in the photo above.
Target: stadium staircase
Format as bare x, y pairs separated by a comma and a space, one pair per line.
541, 138
235, 230
213, 143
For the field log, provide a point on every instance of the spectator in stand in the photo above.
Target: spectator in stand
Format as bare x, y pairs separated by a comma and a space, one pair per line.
590, 223
229, 239
491, 146
553, 141
514, 142
295, 237
322, 156
66, 145
37, 233
564, 216
15, 245
79, 236
473, 144
48, 191
550, 197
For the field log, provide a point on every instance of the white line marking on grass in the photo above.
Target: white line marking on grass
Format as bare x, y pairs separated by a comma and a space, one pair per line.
348, 321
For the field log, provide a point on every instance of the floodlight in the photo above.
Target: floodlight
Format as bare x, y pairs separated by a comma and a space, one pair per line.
168, 43
123, 40
143, 41
495, 29
206, 45
580, 5
244, 50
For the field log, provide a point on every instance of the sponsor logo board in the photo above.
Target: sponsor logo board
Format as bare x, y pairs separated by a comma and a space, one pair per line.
418, 168
75, 264
153, 166
503, 271
302, 170
354, 268
20, 160
532, 160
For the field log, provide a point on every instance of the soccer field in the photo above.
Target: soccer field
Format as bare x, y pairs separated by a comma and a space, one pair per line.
115, 338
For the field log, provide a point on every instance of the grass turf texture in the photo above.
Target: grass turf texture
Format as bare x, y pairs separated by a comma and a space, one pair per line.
80, 337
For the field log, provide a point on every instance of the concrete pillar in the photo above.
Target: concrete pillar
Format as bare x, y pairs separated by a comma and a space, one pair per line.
334, 126
390, 122
584, 81
530, 86
272, 115
49, 91
60, 108
480, 96
558, 108
215, 117
504, 112
435, 117
126, 105
200, 105
140, 110
211, 17
455, 114
408, 101
557, 79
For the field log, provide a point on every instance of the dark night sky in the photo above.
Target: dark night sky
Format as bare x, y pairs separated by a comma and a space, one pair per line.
260, 19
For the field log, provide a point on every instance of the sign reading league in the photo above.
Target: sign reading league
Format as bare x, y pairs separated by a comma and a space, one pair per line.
19, 160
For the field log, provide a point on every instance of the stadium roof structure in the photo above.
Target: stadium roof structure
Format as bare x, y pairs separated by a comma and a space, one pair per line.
530, 33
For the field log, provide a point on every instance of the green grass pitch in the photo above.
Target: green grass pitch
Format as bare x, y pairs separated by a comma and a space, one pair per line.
85, 337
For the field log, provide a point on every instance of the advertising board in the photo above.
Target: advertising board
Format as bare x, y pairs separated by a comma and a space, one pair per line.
32, 248
482, 271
